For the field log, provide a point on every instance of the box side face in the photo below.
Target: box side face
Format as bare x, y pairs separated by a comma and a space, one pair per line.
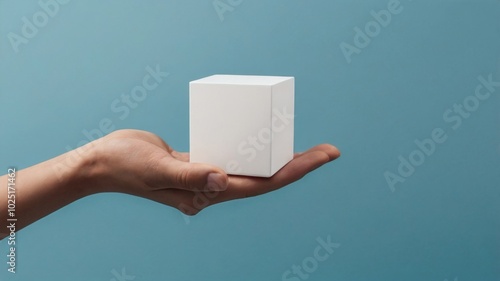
283, 110
242, 80
224, 124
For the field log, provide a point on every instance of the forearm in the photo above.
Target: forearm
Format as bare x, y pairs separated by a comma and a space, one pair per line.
46, 187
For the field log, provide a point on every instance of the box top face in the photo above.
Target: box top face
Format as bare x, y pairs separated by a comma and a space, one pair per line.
242, 80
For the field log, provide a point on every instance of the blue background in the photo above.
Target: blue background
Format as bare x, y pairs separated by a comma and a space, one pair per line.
441, 223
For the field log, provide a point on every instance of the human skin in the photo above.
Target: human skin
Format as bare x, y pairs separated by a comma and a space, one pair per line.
141, 164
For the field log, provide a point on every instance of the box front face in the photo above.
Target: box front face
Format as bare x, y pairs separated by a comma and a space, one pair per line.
225, 121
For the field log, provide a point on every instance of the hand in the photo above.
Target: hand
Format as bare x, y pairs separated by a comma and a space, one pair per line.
142, 164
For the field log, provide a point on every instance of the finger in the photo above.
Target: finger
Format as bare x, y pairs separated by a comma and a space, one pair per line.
242, 187
191, 176
331, 151
293, 171
302, 164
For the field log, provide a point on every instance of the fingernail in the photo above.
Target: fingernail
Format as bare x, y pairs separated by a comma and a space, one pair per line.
216, 182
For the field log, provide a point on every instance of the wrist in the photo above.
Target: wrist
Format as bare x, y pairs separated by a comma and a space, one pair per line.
81, 169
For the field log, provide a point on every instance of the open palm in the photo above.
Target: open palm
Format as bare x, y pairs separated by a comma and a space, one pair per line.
144, 165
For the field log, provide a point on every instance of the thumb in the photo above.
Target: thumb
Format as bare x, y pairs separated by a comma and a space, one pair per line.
192, 176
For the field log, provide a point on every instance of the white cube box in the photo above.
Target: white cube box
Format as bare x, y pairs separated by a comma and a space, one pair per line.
242, 124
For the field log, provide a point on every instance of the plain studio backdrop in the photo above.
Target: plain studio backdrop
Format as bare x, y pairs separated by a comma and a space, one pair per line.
408, 90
